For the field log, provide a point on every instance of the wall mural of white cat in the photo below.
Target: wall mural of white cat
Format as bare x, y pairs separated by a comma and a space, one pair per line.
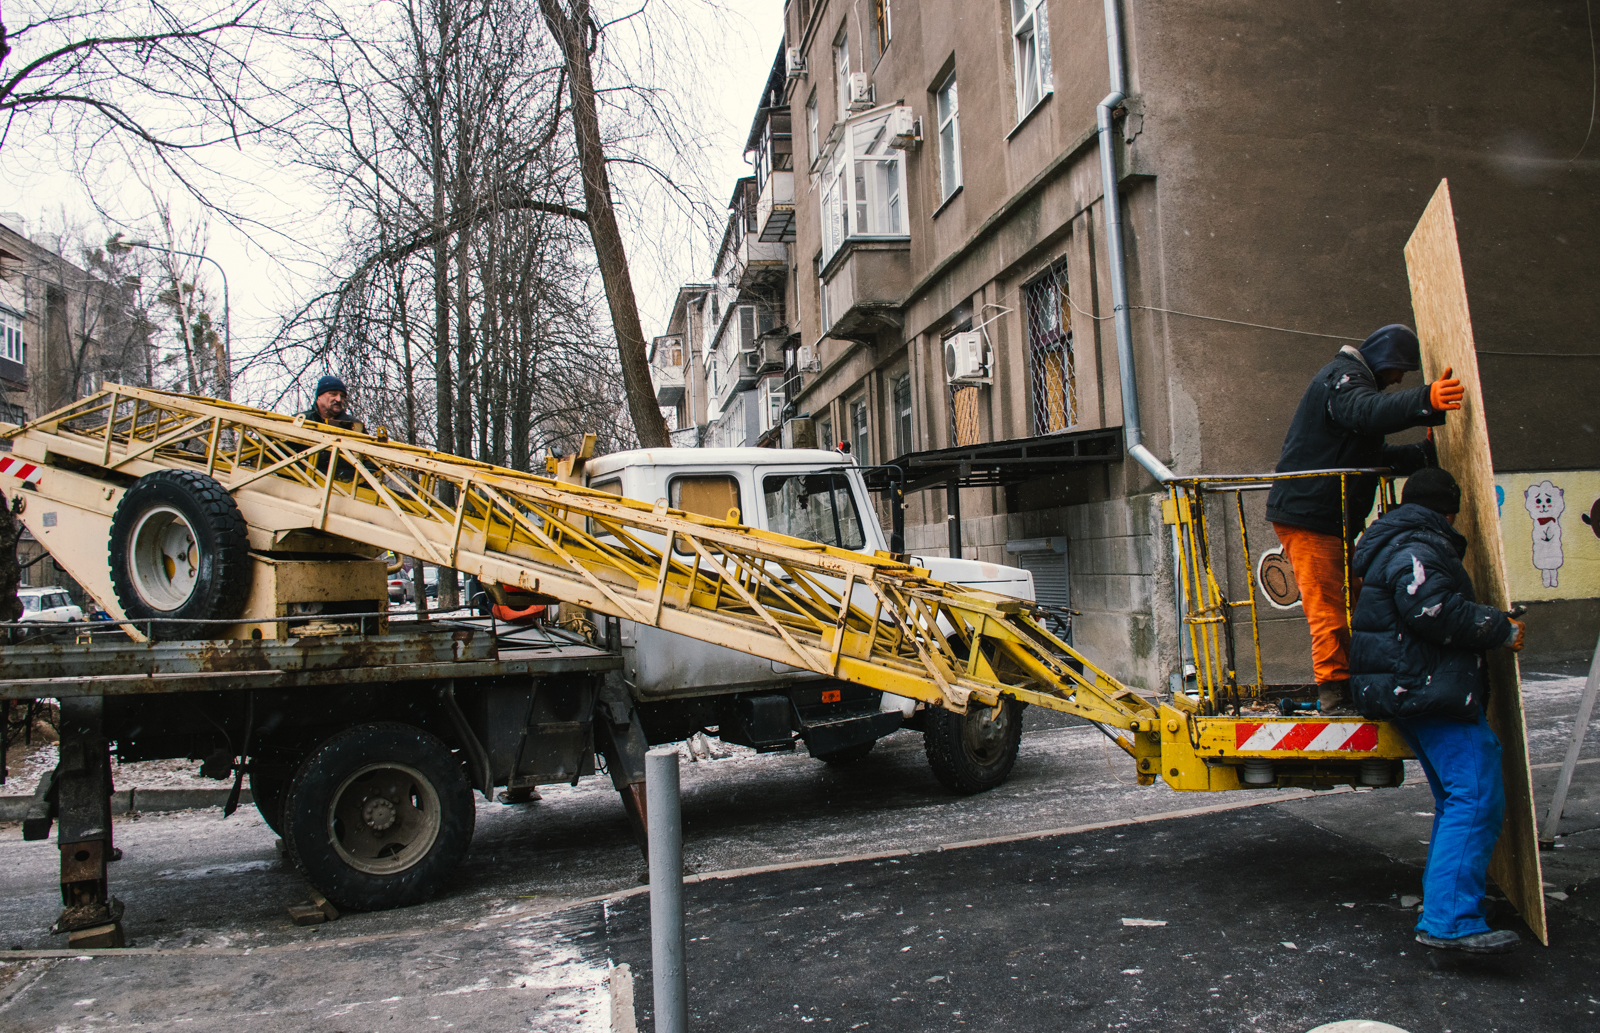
1545, 503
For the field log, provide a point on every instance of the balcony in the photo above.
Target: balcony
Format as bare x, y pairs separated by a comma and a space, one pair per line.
775, 209
759, 265
864, 285
668, 384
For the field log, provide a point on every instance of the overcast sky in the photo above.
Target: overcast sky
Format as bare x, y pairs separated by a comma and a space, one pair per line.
293, 229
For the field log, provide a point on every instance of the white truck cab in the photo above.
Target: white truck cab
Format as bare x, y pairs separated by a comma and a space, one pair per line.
813, 494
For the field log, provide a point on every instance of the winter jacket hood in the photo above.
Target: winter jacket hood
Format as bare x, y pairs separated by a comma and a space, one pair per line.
1341, 423
1392, 347
1418, 634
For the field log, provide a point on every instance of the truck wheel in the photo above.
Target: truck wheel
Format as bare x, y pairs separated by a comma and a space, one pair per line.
973, 752
179, 549
379, 816
849, 755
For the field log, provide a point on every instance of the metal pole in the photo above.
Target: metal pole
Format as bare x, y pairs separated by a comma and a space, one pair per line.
1585, 711
666, 890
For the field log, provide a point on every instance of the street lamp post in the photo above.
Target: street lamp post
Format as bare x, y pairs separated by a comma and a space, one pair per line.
224, 375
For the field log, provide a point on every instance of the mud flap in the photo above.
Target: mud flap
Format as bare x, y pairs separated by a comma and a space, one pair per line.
1444, 326
619, 737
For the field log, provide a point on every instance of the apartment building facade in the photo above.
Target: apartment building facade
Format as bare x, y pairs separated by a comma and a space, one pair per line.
947, 300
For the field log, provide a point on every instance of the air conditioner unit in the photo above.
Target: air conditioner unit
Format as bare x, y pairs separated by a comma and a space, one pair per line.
905, 128
794, 62
965, 357
806, 360
860, 91
752, 359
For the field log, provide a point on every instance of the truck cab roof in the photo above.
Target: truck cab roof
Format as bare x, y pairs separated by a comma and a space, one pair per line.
726, 457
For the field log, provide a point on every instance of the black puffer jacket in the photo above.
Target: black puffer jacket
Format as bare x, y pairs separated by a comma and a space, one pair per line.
1341, 423
1418, 637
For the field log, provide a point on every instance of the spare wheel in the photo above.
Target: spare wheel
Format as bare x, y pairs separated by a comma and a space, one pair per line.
179, 551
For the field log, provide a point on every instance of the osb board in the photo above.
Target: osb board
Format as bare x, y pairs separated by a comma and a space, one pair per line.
1444, 325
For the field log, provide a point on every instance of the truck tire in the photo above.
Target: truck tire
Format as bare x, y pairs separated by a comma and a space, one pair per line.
179, 550
379, 816
973, 752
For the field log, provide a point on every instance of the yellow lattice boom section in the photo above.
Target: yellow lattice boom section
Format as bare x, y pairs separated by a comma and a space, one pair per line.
868, 619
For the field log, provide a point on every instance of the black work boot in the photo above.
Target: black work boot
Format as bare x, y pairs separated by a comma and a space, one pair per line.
1495, 941
1333, 697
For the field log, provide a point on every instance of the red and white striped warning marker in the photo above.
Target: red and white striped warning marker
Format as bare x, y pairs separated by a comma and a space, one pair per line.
22, 470
1306, 736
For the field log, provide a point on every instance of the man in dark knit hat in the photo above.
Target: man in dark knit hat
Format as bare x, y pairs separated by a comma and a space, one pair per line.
1416, 659
328, 403
1341, 423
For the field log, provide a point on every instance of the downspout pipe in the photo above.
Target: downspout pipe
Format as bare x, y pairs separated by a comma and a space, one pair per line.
1132, 430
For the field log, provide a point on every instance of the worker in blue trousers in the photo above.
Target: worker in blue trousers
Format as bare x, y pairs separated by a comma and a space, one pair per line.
1417, 648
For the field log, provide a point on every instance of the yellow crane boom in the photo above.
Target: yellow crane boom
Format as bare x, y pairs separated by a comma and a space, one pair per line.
867, 619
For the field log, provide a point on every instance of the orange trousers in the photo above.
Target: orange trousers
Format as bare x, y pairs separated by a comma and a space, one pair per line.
1319, 565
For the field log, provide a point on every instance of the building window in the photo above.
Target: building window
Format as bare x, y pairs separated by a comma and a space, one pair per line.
860, 442
1030, 32
1050, 361
949, 139
901, 396
813, 120
841, 73
880, 25
863, 187
11, 346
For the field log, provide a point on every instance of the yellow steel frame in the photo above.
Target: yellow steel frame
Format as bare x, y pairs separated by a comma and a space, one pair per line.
1208, 617
871, 620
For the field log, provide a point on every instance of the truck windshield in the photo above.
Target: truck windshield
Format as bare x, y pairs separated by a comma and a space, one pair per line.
818, 507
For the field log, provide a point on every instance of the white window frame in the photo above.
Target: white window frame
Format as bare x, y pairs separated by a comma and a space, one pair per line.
863, 187
1030, 37
946, 106
841, 72
861, 429
813, 126
11, 339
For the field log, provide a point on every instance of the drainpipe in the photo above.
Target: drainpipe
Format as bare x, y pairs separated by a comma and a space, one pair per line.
1132, 432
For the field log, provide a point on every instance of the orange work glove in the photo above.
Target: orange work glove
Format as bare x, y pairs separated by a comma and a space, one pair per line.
1446, 393
1515, 645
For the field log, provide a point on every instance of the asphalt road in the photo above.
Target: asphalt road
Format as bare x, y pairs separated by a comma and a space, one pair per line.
549, 900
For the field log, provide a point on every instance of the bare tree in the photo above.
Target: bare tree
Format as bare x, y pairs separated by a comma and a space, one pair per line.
577, 34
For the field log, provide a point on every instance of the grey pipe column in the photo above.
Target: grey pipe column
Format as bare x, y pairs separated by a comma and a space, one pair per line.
1132, 431
666, 890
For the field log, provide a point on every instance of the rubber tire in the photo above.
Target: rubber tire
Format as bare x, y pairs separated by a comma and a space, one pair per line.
847, 756
962, 766
223, 582
306, 807
268, 792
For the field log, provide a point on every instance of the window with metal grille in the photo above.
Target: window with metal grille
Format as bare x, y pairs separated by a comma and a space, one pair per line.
901, 396
1050, 361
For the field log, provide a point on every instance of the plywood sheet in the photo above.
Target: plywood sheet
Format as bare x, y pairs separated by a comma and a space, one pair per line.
1444, 325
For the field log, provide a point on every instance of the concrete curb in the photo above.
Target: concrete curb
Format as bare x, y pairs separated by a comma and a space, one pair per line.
15, 808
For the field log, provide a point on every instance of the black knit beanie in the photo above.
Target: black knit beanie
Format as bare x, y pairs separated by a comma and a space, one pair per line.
1433, 488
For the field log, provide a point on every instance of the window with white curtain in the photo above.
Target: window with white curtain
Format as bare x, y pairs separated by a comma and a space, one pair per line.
841, 72
813, 120
11, 337
863, 191
1030, 33
949, 138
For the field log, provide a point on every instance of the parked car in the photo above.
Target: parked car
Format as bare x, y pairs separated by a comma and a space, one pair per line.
430, 579
401, 589
48, 604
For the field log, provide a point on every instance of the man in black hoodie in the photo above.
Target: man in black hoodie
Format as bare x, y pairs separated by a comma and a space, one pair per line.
1341, 423
1416, 658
